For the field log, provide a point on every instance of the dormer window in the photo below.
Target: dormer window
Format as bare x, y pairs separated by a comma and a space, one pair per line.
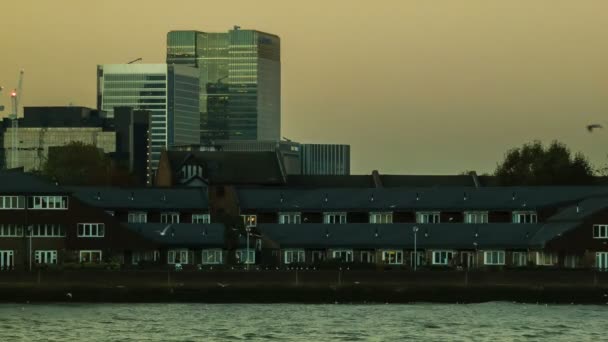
201, 218
250, 220
475, 217
524, 217
290, 217
428, 217
169, 217
138, 217
381, 217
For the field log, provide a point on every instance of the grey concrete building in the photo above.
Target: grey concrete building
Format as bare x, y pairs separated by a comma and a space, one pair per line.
325, 159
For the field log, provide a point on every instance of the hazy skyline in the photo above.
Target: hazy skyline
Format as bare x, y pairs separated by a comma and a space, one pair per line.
412, 86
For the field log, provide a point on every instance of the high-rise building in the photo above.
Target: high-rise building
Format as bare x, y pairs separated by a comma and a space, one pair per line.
325, 159
168, 92
240, 81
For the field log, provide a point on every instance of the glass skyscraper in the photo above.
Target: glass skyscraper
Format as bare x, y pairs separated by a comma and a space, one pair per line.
240, 81
169, 92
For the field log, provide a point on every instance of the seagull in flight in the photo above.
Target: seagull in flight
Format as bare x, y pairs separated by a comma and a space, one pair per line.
591, 127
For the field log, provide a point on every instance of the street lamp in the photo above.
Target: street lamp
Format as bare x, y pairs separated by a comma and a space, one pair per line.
30, 229
415, 230
248, 229
475, 255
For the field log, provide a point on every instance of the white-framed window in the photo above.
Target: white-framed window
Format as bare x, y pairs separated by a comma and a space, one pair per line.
136, 257
392, 257
442, 257
428, 217
169, 217
47, 230
7, 260
317, 256
212, 256
293, 256
494, 257
525, 217
345, 255
291, 217
201, 218
546, 259
45, 257
250, 220
475, 217
48, 202
520, 259
12, 202
381, 217
601, 260
600, 231
416, 258
241, 256
368, 257
11, 230
334, 218
91, 230
90, 256
137, 217
177, 256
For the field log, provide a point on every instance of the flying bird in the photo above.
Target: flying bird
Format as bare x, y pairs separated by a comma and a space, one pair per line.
591, 127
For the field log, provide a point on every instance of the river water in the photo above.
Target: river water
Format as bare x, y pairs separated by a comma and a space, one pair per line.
291, 322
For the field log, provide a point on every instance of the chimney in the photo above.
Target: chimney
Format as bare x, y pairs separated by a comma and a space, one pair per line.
376, 179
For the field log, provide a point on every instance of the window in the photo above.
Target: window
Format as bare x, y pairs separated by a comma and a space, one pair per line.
494, 257
368, 257
212, 256
241, 256
601, 260
346, 255
293, 256
545, 259
386, 217
138, 217
201, 218
48, 202
416, 259
317, 256
169, 218
600, 231
286, 218
250, 220
148, 256
392, 257
45, 257
12, 202
442, 257
11, 230
524, 217
428, 217
90, 256
47, 230
520, 259
334, 218
91, 230
475, 217
177, 256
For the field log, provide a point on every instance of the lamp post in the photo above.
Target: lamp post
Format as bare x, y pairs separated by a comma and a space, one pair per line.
248, 229
475, 255
30, 232
415, 230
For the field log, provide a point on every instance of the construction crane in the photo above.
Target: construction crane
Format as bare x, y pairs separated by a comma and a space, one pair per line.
15, 99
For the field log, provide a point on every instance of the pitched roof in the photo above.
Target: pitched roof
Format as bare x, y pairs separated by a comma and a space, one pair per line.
182, 234
581, 210
388, 181
16, 181
551, 230
366, 235
229, 167
434, 198
142, 198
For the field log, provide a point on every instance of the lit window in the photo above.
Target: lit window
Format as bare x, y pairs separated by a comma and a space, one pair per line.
392, 257
250, 220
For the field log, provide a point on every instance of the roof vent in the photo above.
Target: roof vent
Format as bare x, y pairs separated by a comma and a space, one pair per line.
578, 209
371, 198
282, 199
417, 196
326, 198
98, 197
524, 204
376, 234
464, 197
132, 197
513, 197
327, 233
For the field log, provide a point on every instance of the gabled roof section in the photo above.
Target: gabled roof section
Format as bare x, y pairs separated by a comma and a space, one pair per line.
221, 167
550, 231
394, 199
581, 210
366, 235
182, 234
142, 198
18, 182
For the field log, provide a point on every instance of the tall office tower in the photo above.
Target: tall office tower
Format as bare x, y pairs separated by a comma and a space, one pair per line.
325, 159
240, 81
169, 92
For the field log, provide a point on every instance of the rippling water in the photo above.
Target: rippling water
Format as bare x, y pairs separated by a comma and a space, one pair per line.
287, 322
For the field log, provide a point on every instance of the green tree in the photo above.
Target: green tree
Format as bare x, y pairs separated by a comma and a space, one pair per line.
533, 164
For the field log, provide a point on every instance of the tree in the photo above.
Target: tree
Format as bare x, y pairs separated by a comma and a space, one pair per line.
533, 164
78, 163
